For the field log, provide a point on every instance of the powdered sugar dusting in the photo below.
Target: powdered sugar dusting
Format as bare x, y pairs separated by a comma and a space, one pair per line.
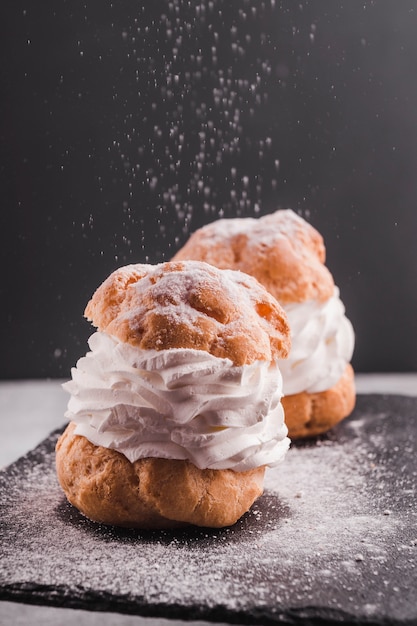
197, 303
170, 291
330, 500
264, 230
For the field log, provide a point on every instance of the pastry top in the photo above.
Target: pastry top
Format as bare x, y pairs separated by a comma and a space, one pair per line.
191, 304
283, 251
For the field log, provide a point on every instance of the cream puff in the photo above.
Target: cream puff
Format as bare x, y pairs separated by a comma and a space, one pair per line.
287, 256
175, 412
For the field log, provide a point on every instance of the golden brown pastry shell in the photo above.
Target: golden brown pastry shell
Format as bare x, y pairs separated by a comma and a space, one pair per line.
311, 414
281, 250
191, 304
150, 493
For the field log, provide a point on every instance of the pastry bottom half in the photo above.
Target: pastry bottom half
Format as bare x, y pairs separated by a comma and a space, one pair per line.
311, 414
150, 493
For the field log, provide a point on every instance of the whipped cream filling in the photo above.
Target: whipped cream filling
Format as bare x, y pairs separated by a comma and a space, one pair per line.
322, 345
178, 404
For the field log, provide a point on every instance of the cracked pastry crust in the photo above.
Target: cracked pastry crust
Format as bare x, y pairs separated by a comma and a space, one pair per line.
190, 304
281, 250
172, 305
287, 256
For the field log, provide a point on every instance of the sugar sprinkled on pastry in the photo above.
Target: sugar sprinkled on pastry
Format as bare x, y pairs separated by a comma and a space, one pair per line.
176, 410
287, 255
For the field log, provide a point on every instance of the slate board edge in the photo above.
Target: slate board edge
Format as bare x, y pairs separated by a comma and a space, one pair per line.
64, 597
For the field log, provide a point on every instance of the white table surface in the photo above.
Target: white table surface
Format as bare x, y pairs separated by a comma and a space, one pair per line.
30, 410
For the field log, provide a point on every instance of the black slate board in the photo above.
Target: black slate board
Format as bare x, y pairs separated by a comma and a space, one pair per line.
333, 540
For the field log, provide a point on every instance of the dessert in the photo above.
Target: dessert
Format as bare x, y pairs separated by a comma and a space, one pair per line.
287, 255
176, 410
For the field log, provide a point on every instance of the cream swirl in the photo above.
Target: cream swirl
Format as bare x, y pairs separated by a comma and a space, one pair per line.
178, 404
322, 345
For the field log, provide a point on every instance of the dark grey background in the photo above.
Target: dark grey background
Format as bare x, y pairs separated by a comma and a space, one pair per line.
125, 127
